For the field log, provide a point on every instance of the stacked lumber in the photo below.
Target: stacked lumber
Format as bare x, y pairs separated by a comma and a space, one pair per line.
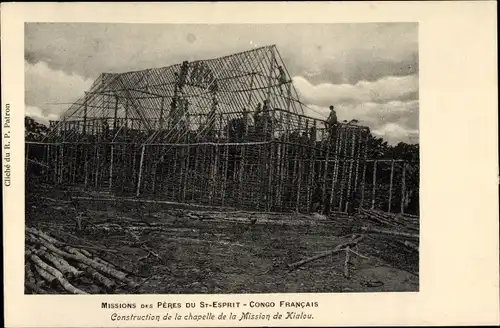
53, 265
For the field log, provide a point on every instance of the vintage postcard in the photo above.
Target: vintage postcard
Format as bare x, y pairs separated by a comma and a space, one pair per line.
224, 164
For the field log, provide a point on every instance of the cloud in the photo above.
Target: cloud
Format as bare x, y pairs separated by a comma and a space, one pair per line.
39, 115
326, 52
383, 90
394, 133
48, 91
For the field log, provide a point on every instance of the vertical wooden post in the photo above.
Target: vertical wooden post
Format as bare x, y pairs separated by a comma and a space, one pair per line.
325, 169
336, 163
61, 174
374, 183
312, 158
124, 166
356, 170
98, 164
77, 163
243, 157
111, 168
351, 164
390, 186
85, 114
139, 177
299, 170
187, 170
363, 177
403, 189
160, 122
196, 173
56, 161
270, 166
202, 173
344, 169
126, 113
86, 166
115, 114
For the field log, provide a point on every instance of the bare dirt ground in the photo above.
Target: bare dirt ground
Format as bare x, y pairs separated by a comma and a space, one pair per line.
202, 250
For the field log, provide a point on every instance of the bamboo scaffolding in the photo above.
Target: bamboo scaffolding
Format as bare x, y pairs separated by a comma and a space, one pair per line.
139, 177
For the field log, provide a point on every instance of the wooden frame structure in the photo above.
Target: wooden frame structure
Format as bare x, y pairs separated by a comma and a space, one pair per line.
229, 131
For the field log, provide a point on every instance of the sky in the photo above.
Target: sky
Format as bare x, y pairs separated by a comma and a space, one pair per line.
369, 72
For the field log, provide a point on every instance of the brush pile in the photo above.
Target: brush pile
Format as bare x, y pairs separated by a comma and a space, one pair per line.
53, 266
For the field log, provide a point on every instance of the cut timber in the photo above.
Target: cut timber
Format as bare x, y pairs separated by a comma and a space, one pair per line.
100, 267
57, 274
85, 252
29, 274
392, 233
34, 288
411, 245
90, 245
42, 235
92, 273
79, 257
60, 264
46, 276
338, 248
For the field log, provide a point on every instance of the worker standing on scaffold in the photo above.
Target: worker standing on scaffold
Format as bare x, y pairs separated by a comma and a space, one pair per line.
331, 123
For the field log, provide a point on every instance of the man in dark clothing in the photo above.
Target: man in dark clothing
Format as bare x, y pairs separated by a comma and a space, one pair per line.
331, 122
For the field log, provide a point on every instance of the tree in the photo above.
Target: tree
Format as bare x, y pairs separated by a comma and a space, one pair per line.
34, 131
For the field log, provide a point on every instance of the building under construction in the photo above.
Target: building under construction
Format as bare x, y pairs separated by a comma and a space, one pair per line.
229, 131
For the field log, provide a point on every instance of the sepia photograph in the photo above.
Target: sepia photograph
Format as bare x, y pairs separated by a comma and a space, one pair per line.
221, 159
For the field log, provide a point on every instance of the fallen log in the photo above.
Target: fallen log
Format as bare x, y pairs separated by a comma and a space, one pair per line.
29, 274
34, 288
411, 245
59, 263
42, 235
392, 233
337, 249
46, 276
88, 246
76, 255
92, 273
57, 274
85, 252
